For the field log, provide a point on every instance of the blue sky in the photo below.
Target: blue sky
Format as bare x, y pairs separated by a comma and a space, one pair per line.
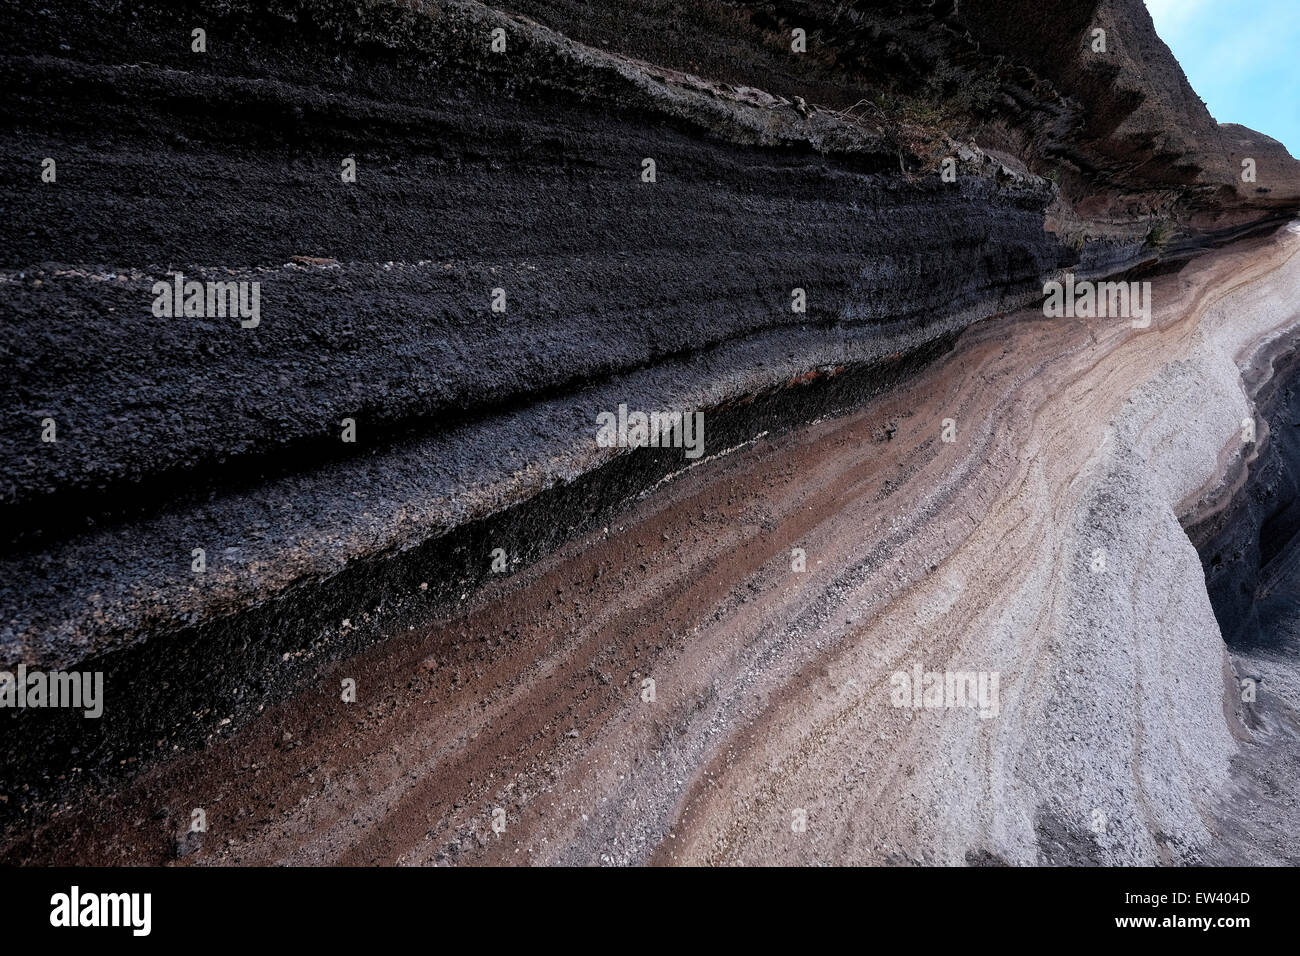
1242, 57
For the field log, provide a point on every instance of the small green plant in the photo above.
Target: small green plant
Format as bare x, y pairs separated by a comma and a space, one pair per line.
1160, 234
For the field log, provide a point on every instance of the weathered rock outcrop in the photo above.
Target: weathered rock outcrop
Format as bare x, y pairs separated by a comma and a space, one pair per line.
1042, 544
521, 171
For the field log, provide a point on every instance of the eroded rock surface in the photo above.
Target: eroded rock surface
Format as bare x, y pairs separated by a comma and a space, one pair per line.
523, 171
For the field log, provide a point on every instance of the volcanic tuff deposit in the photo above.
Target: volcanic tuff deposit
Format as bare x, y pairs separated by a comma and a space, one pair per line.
679, 664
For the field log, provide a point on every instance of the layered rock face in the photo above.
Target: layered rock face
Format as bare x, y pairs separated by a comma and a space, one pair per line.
714, 677
472, 231
520, 172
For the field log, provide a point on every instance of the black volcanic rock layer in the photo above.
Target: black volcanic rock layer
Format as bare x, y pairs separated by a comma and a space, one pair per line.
478, 171
230, 169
